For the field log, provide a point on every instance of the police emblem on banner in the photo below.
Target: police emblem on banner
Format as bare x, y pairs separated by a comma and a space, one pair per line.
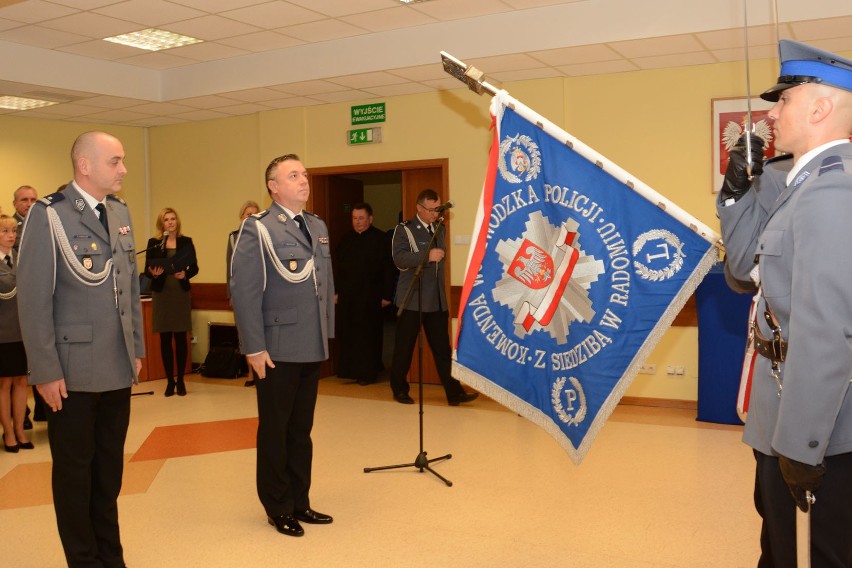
576, 273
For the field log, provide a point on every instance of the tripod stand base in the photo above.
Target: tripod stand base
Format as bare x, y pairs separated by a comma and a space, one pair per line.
421, 463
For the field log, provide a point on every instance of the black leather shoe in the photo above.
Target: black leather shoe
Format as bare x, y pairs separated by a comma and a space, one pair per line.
286, 524
11, 449
26, 445
464, 397
313, 517
403, 398
250, 383
28, 424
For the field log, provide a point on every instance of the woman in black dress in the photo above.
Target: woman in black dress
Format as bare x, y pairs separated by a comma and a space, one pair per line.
13, 358
171, 262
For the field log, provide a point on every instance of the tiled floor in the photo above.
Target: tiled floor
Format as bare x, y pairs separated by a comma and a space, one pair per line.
657, 489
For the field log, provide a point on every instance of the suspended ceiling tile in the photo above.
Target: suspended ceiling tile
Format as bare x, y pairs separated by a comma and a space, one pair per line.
524, 75
389, 19
421, 72
252, 95
308, 88
576, 55
92, 25
674, 60
150, 13
41, 37
269, 13
342, 96
399, 89
322, 30
34, 11
656, 46
457, 9
335, 8
599, 68
207, 51
365, 80
212, 28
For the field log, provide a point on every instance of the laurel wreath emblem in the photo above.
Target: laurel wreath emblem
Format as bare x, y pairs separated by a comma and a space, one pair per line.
556, 399
531, 151
673, 267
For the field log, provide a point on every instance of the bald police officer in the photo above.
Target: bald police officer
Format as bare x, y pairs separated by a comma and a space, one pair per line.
79, 288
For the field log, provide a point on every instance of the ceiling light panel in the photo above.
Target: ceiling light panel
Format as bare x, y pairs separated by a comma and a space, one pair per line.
153, 39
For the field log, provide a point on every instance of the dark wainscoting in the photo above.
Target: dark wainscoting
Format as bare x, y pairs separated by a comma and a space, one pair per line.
213, 296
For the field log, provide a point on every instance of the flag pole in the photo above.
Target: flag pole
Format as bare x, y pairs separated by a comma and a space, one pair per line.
473, 78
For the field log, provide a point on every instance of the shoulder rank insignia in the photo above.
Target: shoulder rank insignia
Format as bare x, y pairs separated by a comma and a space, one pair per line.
831, 163
116, 198
261, 214
52, 199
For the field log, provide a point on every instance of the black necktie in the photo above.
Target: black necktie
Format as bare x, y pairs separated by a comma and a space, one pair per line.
9, 260
429, 228
303, 227
103, 218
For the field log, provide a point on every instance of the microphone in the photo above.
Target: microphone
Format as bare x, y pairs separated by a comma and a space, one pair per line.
448, 205
165, 238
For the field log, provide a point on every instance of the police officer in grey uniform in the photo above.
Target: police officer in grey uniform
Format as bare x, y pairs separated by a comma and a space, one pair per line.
800, 416
283, 296
410, 245
79, 288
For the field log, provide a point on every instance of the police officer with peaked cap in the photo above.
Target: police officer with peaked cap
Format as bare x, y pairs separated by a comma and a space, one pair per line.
799, 422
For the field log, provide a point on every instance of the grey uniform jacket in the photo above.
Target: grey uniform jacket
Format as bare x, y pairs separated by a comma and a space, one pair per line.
290, 321
406, 259
10, 331
802, 241
88, 335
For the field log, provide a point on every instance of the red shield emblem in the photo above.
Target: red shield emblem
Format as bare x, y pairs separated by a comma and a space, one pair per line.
532, 266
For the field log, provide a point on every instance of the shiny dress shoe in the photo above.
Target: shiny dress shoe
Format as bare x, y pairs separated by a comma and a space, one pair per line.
464, 397
313, 517
286, 524
403, 398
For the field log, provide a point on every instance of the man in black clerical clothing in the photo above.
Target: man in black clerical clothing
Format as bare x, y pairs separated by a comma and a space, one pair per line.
363, 274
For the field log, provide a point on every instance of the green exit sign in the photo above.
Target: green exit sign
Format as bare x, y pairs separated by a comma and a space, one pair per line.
365, 135
367, 114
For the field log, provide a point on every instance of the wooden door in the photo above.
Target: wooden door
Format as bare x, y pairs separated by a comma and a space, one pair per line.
413, 182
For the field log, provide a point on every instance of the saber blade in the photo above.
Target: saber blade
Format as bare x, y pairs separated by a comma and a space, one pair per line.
803, 534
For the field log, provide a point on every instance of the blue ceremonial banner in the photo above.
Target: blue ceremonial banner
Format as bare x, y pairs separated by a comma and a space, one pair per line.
573, 277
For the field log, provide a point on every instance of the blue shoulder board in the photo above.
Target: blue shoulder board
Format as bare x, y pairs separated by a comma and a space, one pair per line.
51, 199
116, 198
830, 164
260, 214
779, 158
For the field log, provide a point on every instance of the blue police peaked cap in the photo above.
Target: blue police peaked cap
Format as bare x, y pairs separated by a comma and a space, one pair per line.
802, 63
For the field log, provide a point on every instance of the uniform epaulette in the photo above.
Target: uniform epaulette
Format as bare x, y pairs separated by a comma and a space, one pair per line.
52, 199
116, 198
779, 158
313, 214
260, 214
831, 164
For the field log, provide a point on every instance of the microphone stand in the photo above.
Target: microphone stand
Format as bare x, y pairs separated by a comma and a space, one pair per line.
421, 462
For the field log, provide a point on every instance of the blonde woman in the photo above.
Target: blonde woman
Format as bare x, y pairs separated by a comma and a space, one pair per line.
171, 262
248, 208
13, 358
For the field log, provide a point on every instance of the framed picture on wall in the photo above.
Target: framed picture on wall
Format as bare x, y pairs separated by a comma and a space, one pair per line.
729, 117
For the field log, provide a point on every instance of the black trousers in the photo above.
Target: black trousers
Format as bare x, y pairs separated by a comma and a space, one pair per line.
286, 400
87, 445
435, 328
831, 515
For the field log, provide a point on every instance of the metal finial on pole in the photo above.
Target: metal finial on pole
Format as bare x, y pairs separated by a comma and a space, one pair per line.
467, 74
